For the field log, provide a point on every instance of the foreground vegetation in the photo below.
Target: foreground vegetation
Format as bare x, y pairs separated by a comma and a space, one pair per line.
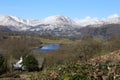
107, 70
77, 59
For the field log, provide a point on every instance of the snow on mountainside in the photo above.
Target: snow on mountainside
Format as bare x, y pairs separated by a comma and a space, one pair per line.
58, 20
55, 25
54, 22
33, 22
88, 21
13, 23
113, 19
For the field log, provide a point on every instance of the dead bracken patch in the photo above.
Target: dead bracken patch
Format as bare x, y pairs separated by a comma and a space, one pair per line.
113, 56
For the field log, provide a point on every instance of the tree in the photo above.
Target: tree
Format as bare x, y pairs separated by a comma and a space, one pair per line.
3, 64
88, 48
16, 48
30, 63
112, 45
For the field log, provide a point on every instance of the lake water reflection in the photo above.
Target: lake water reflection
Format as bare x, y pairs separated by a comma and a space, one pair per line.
47, 48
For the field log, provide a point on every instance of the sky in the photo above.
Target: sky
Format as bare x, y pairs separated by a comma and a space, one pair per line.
39, 9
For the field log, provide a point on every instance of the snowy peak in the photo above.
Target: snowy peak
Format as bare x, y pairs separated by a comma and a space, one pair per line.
4, 19
113, 19
87, 21
18, 19
10, 18
14, 23
52, 20
57, 19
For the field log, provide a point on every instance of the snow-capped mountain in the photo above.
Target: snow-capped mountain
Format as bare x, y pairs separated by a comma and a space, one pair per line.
58, 20
113, 19
13, 23
19, 24
88, 21
55, 21
57, 25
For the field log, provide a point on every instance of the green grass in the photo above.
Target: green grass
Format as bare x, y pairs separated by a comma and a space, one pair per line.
59, 41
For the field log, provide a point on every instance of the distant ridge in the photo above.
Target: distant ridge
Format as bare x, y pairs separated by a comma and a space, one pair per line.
63, 26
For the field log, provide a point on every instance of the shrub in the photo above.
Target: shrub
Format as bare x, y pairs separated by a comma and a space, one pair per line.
88, 48
30, 63
79, 77
112, 45
16, 48
3, 65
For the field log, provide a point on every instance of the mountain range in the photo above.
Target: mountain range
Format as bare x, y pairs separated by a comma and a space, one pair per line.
63, 26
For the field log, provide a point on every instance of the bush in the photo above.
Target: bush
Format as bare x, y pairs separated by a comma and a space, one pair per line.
112, 45
88, 48
79, 77
3, 65
30, 63
16, 48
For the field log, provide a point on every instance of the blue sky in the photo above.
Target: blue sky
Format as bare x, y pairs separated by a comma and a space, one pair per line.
39, 9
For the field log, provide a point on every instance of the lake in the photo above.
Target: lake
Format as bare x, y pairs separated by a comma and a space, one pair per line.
47, 48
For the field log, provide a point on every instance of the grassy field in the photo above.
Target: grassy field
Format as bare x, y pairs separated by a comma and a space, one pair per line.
59, 41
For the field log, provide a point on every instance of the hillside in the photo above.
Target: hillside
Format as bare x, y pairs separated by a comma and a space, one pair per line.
105, 31
4, 29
